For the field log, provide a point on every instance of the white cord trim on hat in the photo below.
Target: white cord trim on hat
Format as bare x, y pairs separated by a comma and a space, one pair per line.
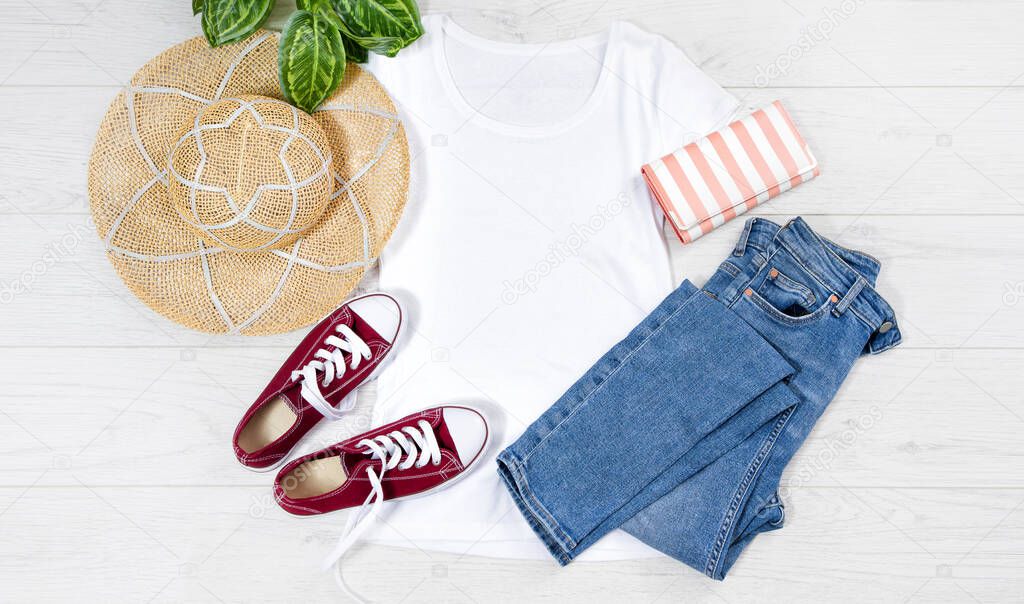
133, 127
273, 296
170, 90
213, 295
109, 239
336, 268
199, 168
249, 105
381, 149
357, 109
288, 169
362, 219
212, 251
395, 122
346, 187
265, 187
242, 215
238, 61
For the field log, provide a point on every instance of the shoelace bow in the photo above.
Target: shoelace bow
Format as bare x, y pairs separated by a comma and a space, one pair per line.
418, 445
332, 365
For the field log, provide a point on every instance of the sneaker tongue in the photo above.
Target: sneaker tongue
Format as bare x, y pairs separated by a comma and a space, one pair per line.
346, 459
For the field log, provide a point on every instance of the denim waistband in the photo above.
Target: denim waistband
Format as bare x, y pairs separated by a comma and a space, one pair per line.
849, 273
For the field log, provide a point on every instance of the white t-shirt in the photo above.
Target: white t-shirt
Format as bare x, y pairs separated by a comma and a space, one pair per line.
529, 245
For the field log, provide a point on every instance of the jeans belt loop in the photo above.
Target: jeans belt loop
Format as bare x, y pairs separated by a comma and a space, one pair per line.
741, 243
850, 296
742, 281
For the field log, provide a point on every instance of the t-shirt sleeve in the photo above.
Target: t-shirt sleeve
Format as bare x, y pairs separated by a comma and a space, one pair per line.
690, 104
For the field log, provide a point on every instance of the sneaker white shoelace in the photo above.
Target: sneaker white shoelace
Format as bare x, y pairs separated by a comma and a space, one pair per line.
332, 365
418, 446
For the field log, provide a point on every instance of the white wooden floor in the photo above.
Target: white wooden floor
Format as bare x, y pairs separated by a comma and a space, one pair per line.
116, 478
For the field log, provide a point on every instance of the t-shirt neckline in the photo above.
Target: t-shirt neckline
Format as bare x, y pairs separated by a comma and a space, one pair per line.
448, 28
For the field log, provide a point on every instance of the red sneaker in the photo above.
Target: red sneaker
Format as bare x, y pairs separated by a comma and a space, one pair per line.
318, 380
418, 453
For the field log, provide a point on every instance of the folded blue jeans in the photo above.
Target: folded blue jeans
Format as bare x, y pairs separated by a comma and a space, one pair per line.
679, 434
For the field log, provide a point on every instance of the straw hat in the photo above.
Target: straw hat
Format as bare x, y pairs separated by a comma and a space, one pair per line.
228, 210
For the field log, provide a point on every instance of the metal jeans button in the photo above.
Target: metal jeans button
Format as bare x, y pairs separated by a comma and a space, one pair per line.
884, 327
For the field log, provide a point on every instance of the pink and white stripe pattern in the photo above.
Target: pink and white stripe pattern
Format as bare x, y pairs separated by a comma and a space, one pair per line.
712, 180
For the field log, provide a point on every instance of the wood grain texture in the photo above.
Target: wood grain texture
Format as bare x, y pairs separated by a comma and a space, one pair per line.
234, 545
116, 479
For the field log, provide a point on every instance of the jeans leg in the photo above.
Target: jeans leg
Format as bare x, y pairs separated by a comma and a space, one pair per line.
650, 413
696, 522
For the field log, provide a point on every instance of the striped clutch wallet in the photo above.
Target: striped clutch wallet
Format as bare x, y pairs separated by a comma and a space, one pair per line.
712, 180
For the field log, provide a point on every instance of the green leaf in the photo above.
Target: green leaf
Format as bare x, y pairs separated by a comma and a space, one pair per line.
197, 7
354, 52
381, 26
386, 46
226, 21
311, 59
323, 9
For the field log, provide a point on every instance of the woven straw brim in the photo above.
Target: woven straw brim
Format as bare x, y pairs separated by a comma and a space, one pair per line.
165, 261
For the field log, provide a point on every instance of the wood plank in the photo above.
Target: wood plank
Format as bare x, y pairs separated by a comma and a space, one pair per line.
48, 173
729, 39
873, 544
